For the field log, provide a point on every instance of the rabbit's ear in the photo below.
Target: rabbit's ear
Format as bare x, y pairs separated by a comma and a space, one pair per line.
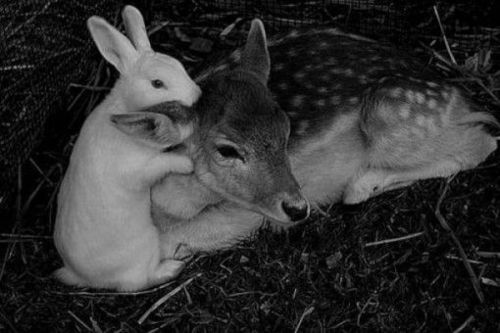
113, 45
136, 29
153, 128
255, 56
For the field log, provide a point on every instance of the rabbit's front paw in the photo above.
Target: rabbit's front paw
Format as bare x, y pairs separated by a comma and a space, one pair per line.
67, 276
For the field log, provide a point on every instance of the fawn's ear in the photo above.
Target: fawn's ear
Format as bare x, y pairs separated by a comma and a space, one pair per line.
112, 44
135, 27
255, 56
153, 128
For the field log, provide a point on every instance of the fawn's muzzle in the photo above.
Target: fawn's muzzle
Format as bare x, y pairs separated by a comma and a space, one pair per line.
297, 211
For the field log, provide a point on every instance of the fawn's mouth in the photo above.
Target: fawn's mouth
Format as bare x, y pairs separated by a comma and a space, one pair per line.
281, 217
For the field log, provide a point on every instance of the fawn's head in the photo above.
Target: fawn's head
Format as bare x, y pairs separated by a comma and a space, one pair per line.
146, 77
240, 146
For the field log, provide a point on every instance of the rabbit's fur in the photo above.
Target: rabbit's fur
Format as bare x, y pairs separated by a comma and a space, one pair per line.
104, 231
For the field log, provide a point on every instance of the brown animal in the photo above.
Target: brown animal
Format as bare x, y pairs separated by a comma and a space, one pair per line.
239, 146
365, 118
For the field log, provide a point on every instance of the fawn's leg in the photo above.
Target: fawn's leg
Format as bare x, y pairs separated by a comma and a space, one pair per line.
373, 182
212, 229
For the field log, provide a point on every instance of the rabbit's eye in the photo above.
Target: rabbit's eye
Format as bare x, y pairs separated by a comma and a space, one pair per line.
157, 84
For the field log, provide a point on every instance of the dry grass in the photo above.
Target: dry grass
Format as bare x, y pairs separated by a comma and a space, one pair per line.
415, 259
43, 47
319, 276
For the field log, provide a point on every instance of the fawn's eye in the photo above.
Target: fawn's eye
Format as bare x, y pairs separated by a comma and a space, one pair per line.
227, 151
157, 84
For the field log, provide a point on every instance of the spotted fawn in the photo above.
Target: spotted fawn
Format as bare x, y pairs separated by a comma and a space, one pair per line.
364, 118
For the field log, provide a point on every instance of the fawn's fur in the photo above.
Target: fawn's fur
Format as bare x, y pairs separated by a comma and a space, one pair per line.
238, 146
365, 118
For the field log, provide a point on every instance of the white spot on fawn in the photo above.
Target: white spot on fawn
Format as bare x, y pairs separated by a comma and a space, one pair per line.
337, 86
432, 84
335, 100
302, 127
417, 132
431, 103
420, 98
446, 113
410, 96
283, 86
320, 102
404, 111
431, 125
421, 121
403, 133
445, 116
396, 92
430, 92
385, 112
348, 72
309, 85
279, 66
353, 100
331, 61
297, 100
375, 69
299, 75
363, 79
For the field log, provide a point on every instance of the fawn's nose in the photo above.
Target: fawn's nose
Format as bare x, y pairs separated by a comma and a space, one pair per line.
297, 211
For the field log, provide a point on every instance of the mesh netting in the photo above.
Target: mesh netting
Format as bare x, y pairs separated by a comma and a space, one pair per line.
44, 44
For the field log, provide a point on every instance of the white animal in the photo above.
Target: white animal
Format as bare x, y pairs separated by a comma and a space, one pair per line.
365, 118
104, 231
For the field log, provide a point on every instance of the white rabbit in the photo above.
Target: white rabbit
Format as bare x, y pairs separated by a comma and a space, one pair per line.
104, 231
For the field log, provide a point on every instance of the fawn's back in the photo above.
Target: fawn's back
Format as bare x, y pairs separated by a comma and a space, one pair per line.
354, 103
364, 118
330, 76
403, 115
340, 73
